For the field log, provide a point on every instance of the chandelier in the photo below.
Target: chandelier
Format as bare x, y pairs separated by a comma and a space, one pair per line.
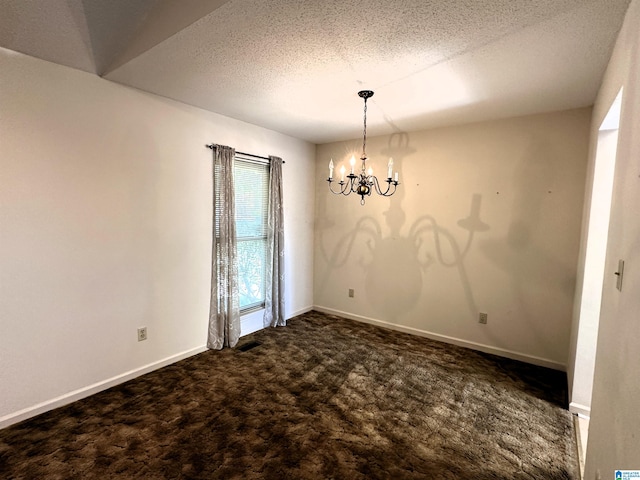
365, 182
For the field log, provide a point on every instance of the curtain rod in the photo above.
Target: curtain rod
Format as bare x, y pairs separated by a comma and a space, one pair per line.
211, 145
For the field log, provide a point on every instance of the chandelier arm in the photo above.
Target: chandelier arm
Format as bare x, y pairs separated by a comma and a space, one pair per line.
388, 192
346, 187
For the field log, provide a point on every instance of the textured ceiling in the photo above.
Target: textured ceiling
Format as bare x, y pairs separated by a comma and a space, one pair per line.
295, 66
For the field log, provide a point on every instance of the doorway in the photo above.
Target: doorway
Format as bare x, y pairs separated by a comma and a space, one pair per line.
594, 270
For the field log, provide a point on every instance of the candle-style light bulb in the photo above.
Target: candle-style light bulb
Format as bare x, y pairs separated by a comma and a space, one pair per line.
353, 163
370, 171
342, 173
396, 177
331, 169
390, 167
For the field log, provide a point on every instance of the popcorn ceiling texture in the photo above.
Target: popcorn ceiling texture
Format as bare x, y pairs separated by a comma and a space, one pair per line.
321, 398
294, 66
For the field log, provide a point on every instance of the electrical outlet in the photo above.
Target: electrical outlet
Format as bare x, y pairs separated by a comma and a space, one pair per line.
483, 318
351, 293
142, 334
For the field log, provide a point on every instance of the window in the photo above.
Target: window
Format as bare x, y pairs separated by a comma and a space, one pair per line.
251, 180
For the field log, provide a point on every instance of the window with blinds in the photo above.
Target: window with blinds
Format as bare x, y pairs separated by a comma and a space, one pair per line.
251, 179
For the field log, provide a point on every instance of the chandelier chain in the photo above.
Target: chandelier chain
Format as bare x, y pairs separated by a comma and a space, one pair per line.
364, 132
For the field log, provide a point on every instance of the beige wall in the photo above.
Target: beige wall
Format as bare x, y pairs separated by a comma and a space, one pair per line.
614, 438
105, 226
487, 219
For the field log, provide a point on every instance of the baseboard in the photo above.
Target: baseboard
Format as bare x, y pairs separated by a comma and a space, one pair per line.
84, 392
543, 362
93, 389
581, 410
301, 311
579, 446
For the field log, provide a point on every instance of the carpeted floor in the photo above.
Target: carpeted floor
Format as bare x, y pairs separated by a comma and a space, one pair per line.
323, 398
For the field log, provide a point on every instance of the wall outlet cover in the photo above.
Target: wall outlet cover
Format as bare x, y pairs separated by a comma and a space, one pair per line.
142, 334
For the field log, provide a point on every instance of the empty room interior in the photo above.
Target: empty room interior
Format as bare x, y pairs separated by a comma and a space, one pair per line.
498, 226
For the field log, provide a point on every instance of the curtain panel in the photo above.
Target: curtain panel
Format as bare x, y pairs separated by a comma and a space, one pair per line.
224, 313
274, 295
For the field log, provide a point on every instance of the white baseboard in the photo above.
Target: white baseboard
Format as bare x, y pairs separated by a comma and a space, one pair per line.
84, 392
580, 410
523, 357
111, 382
300, 312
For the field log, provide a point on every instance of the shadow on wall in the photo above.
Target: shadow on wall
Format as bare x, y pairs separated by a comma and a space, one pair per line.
394, 265
525, 253
394, 275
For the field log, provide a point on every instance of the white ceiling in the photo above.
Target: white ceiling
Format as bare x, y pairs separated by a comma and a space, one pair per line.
295, 66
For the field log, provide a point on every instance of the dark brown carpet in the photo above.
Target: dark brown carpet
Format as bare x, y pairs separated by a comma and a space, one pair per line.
323, 398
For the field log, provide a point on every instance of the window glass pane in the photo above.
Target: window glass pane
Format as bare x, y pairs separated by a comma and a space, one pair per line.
251, 182
251, 271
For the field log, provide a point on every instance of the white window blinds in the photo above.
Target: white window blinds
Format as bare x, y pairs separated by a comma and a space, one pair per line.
251, 180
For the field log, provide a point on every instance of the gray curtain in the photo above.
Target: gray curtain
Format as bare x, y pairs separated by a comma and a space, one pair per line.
224, 313
274, 295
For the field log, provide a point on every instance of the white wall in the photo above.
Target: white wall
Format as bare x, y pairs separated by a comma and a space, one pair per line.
614, 438
105, 226
487, 219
